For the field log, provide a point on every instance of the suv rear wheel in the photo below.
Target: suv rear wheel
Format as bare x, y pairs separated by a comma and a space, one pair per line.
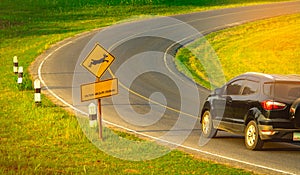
252, 139
208, 130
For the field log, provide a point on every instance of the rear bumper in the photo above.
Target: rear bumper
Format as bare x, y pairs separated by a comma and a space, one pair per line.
278, 129
267, 132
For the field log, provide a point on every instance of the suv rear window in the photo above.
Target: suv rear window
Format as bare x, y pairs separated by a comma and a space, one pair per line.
286, 90
250, 87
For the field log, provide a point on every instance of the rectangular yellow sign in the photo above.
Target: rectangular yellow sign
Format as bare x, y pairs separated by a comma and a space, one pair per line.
99, 89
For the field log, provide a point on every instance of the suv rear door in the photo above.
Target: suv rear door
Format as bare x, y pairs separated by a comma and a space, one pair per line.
242, 103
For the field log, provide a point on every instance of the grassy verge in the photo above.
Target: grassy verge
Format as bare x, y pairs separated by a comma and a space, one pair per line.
48, 140
268, 46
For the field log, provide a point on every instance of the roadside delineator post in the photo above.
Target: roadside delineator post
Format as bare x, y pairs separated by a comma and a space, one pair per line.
16, 64
37, 92
93, 115
20, 75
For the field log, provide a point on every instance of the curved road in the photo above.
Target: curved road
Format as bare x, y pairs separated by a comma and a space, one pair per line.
154, 99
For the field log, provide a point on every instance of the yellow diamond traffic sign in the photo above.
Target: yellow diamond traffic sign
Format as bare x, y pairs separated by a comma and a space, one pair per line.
98, 61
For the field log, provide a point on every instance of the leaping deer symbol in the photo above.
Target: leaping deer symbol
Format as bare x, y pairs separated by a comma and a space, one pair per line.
101, 60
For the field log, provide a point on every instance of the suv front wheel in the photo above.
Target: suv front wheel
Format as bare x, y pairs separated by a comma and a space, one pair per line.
252, 139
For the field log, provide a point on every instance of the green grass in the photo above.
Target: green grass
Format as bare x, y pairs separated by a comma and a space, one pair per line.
267, 46
47, 139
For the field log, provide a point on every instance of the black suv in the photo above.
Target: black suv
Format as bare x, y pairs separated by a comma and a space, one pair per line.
260, 106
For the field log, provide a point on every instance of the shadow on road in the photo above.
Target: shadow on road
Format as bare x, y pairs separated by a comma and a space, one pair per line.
269, 146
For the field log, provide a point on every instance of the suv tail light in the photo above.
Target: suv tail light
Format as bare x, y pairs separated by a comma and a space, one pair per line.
272, 105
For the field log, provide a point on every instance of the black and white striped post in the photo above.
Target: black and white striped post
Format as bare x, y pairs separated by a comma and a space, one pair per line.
16, 64
93, 115
20, 75
37, 92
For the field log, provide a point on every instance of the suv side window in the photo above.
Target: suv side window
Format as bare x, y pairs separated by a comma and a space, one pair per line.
250, 87
268, 88
234, 88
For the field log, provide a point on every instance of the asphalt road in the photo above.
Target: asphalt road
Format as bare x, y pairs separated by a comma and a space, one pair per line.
154, 99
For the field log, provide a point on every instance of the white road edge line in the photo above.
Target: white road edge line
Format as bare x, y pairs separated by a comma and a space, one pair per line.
136, 132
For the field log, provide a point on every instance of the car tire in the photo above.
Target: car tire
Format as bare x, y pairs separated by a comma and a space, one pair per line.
208, 130
252, 138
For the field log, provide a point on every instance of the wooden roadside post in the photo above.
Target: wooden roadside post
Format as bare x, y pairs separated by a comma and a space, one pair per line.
20, 75
92, 115
16, 64
37, 92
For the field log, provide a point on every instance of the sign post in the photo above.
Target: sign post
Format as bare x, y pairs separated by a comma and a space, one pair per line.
97, 62
100, 118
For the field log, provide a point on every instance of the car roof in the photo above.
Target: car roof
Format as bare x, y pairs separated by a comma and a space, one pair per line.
273, 77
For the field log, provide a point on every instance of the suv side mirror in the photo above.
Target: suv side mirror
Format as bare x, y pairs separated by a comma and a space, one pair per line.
218, 91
